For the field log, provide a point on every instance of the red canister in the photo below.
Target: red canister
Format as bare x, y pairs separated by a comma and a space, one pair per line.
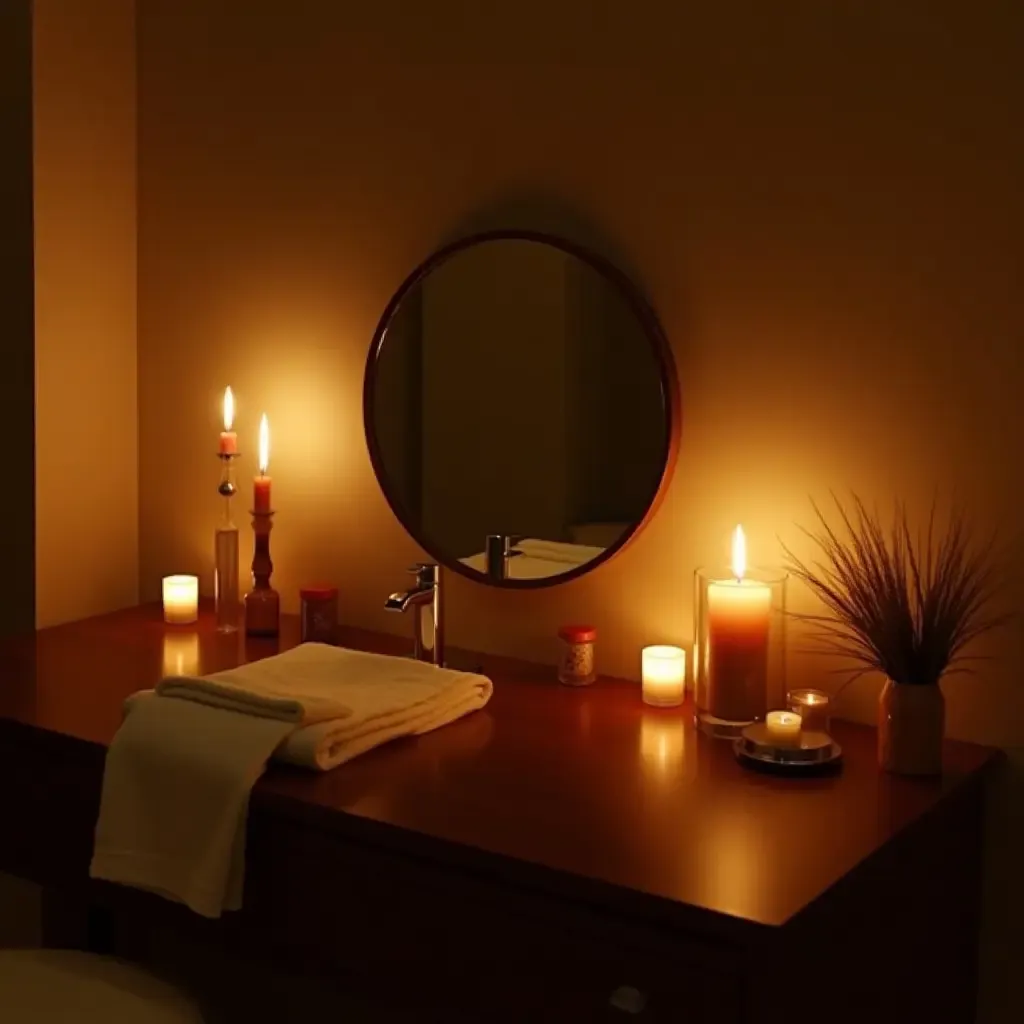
319, 614
576, 664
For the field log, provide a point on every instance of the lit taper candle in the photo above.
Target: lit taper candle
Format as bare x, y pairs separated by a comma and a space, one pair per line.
261, 485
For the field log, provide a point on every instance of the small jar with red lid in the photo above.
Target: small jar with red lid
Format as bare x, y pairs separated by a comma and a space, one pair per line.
576, 663
319, 614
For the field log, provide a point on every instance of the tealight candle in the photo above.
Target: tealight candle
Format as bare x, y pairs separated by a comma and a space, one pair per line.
181, 599
783, 728
813, 708
663, 670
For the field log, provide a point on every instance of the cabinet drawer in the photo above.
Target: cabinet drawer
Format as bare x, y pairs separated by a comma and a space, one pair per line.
476, 949
50, 789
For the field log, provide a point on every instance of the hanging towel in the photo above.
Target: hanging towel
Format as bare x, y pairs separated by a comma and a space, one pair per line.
181, 767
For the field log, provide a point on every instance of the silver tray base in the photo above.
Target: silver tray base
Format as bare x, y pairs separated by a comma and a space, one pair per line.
817, 750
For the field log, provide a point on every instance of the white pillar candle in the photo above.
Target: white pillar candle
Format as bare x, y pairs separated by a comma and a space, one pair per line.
663, 670
813, 707
783, 728
181, 599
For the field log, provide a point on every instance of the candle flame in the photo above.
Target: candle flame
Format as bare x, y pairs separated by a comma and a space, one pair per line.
739, 553
264, 460
229, 408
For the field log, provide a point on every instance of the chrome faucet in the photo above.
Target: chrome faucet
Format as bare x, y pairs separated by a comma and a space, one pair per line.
500, 548
426, 594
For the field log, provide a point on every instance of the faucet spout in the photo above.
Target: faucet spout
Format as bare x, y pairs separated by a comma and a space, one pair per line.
403, 601
428, 643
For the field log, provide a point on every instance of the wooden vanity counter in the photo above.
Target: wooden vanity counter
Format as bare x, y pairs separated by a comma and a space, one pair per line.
561, 855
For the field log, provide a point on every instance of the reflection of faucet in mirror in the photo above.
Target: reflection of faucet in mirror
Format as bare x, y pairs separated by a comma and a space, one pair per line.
427, 594
500, 548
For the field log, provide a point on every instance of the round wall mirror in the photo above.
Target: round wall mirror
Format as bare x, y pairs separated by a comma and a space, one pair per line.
520, 408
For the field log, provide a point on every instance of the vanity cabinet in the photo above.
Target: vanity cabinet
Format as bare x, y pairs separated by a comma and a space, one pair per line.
563, 855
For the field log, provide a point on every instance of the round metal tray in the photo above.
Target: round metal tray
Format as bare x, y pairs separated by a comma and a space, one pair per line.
816, 753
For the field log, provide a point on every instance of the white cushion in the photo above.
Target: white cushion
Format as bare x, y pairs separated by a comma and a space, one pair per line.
49, 986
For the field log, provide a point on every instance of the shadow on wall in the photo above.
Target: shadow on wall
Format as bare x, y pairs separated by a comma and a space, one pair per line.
537, 210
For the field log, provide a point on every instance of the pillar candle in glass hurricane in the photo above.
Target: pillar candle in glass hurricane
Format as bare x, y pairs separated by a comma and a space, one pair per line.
261, 485
739, 613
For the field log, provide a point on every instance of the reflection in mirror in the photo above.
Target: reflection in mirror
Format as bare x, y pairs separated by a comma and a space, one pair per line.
517, 410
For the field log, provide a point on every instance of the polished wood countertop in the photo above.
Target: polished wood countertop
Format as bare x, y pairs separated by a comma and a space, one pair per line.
582, 791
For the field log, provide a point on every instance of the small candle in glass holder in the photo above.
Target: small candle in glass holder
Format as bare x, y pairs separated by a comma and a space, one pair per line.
181, 599
813, 707
663, 670
783, 728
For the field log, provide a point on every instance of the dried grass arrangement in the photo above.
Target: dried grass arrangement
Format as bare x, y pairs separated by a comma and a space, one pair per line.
903, 602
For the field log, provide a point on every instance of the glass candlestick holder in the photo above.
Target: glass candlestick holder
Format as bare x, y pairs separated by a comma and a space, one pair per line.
739, 670
262, 603
225, 563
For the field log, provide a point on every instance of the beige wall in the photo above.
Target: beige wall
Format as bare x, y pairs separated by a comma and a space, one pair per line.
85, 233
823, 201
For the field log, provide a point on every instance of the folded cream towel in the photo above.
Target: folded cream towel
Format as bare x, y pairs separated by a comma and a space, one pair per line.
342, 702
181, 767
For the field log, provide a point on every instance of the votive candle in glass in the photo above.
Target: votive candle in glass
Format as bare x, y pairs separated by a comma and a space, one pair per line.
663, 671
813, 707
181, 599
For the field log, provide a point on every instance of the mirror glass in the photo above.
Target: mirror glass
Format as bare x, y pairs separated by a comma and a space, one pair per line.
518, 407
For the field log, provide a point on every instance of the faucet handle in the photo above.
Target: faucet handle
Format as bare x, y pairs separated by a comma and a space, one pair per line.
425, 573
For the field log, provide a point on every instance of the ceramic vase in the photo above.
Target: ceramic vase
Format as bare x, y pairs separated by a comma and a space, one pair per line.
911, 728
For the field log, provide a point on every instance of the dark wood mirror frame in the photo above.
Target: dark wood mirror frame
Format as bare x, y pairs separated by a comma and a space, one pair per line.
648, 320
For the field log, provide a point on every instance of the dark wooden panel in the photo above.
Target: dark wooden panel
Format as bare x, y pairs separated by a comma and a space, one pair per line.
895, 940
501, 952
17, 301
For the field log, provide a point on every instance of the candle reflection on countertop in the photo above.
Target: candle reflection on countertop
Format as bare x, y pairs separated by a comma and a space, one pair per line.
667, 752
180, 654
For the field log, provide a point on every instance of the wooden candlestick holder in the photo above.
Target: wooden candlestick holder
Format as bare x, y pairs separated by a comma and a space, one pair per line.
262, 603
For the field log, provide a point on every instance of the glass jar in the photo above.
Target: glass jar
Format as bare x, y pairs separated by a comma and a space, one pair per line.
576, 664
319, 614
813, 707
